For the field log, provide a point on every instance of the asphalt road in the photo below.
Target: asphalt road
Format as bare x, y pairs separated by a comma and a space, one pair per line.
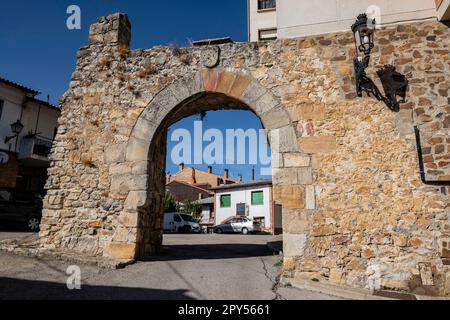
229, 267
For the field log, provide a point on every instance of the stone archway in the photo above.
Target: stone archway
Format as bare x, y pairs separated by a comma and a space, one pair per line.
355, 211
201, 91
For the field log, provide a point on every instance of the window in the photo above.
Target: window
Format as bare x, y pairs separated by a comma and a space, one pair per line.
267, 4
267, 34
257, 198
176, 218
1, 108
225, 201
261, 221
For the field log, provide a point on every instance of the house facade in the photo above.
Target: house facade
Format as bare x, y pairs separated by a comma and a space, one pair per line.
271, 19
27, 129
183, 191
253, 200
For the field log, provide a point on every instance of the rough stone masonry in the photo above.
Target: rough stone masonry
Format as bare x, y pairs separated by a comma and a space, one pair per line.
346, 169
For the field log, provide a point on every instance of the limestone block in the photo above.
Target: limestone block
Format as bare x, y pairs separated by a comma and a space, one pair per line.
305, 175
275, 118
121, 183
144, 129
137, 150
129, 219
290, 197
294, 245
268, 102
296, 221
318, 144
122, 251
136, 200
225, 82
165, 99
310, 197
239, 86
294, 160
115, 153
194, 84
210, 80
285, 176
118, 169
283, 140
181, 91
252, 93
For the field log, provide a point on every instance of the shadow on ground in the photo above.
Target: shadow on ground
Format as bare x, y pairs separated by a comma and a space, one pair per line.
15, 289
13, 227
211, 252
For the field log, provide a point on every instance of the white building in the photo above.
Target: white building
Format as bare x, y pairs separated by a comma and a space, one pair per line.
253, 200
270, 19
24, 154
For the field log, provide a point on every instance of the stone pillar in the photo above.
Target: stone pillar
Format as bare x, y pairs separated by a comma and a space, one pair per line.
114, 29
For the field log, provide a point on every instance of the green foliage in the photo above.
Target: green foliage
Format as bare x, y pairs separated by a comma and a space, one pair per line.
193, 208
170, 204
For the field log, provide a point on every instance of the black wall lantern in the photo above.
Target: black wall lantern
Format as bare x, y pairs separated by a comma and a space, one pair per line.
363, 30
16, 128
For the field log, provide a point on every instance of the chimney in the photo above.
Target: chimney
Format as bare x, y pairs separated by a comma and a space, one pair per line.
210, 169
181, 167
226, 173
241, 178
194, 178
253, 174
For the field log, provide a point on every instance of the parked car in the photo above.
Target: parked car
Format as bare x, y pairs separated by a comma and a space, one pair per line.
20, 208
238, 225
180, 222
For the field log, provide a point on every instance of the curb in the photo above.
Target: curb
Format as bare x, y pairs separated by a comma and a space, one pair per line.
333, 290
353, 293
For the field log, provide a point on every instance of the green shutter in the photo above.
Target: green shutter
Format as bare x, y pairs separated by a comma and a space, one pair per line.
257, 198
225, 201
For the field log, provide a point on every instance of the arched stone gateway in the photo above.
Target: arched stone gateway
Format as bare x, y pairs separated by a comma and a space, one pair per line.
144, 189
355, 211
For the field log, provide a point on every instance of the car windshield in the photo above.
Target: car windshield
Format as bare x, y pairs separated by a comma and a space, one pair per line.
187, 217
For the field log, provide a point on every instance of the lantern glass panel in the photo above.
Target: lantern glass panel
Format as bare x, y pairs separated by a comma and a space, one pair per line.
17, 127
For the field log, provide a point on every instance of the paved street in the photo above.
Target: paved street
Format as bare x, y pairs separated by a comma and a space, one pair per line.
191, 267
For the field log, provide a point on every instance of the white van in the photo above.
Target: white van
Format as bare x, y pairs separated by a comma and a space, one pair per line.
180, 222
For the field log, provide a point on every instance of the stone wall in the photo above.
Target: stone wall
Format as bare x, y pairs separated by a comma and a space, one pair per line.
346, 170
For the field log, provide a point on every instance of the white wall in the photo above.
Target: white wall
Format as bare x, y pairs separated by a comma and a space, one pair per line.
260, 20
11, 113
298, 18
244, 195
13, 99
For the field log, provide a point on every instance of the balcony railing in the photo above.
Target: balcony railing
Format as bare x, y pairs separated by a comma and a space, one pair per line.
42, 147
267, 4
35, 148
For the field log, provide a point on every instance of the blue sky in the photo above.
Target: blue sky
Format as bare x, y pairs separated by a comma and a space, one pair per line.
37, 50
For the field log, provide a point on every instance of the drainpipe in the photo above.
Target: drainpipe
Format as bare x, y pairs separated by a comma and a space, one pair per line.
421, 164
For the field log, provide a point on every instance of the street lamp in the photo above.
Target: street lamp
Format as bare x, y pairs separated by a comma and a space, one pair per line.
363, 30
16, 128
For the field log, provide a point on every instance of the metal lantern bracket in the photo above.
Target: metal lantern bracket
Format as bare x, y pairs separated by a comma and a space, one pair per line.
394, 83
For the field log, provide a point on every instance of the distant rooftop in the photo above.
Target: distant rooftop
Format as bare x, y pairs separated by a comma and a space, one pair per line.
212, 42
30, 91
19, 86
255, 183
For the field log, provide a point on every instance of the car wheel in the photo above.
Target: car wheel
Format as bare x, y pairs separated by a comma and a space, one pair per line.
219, 231
33, 224
244, 231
